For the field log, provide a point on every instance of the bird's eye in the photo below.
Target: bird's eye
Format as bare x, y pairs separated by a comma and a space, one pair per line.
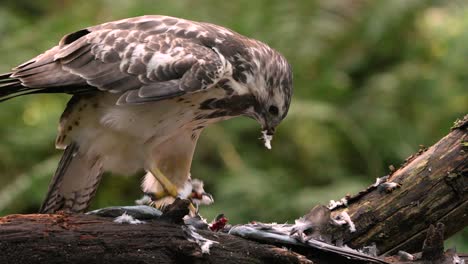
273, 110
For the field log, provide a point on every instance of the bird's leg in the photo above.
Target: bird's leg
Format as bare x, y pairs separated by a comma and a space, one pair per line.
157, 195
169, 188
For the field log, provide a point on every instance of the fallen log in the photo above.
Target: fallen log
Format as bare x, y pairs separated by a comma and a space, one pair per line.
62, 238
431, 187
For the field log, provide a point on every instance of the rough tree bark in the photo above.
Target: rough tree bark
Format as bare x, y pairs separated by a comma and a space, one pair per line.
62, 238
432, 188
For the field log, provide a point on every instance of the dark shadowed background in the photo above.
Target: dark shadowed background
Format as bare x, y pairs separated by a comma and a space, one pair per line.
373, 80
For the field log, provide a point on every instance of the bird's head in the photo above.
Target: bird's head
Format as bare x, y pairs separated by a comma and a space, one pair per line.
260, 87
272, 88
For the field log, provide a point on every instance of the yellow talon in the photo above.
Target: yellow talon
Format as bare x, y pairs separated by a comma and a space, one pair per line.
165, 182
169, 188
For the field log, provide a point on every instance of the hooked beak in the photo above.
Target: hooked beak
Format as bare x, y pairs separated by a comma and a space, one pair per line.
268, 130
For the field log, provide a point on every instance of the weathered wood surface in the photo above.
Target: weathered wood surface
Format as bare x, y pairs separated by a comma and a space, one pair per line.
62, 238
433, 188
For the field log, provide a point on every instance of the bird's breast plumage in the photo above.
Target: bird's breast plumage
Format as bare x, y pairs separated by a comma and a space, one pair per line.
124, 135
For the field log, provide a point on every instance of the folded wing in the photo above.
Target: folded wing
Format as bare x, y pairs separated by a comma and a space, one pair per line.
140, 64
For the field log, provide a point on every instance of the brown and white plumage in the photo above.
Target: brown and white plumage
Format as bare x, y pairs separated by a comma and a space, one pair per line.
143, 90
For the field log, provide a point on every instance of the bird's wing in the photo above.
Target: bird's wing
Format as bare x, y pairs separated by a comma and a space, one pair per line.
142, 59
75, 182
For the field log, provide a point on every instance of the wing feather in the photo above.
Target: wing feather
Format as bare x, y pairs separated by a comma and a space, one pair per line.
161, 89
149, 55
79, 58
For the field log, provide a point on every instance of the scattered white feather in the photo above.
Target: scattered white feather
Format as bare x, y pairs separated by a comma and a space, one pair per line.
301, 224
380, 180
267, 139
144, 200
342, 219
334, 204
299, 229
127, 219
405, 256
204, 243
271, 232
458, 260
205, 247
344, 201
384, 185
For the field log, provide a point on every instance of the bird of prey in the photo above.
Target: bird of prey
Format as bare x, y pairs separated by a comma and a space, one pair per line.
142, 91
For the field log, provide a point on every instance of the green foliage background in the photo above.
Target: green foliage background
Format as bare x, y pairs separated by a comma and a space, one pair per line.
373, 81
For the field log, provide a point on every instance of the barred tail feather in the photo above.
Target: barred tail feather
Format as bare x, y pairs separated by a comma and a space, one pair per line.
74, 184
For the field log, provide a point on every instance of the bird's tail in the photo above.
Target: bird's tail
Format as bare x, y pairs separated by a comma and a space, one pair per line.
74, 184
11, 87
